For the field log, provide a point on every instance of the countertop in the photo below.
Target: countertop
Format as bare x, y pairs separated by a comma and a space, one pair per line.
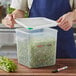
46, 71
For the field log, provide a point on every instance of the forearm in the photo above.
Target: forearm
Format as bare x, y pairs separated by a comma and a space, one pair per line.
18, 13
74, 14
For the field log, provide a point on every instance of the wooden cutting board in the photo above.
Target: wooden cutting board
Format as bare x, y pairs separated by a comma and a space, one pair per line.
46, 71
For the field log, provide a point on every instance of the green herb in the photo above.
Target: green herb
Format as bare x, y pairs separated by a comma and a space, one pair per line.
7, 65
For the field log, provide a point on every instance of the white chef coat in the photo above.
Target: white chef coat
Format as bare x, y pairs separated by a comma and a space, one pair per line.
24, 4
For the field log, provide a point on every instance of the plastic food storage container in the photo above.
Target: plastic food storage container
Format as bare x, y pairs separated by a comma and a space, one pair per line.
36, 48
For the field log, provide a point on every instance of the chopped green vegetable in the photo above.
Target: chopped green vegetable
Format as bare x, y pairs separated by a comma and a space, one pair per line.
7, 65
36, 53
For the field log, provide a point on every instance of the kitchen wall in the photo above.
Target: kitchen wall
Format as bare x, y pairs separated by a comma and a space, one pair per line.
4, 2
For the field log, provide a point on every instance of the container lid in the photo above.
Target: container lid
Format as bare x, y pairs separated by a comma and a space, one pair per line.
36, 22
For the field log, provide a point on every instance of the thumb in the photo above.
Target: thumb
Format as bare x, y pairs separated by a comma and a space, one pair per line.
10, 17
59, 20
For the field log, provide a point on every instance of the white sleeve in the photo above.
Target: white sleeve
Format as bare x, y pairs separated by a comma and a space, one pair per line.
19, 4
75, 4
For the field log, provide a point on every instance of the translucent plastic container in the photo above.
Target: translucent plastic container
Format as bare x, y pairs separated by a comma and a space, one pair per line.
36, 48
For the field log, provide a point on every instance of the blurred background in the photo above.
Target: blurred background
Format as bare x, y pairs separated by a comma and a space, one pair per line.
7, 35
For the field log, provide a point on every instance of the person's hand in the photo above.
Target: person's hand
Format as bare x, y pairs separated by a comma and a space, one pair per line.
66, 21
9, 20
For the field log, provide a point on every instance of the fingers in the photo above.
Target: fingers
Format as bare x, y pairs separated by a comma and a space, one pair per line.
59, 20
64, 24
9, 17
8, 21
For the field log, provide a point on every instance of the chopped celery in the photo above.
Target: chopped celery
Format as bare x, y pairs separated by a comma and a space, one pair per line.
7, 65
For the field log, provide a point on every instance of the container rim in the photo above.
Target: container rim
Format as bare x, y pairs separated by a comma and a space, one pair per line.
27, 31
